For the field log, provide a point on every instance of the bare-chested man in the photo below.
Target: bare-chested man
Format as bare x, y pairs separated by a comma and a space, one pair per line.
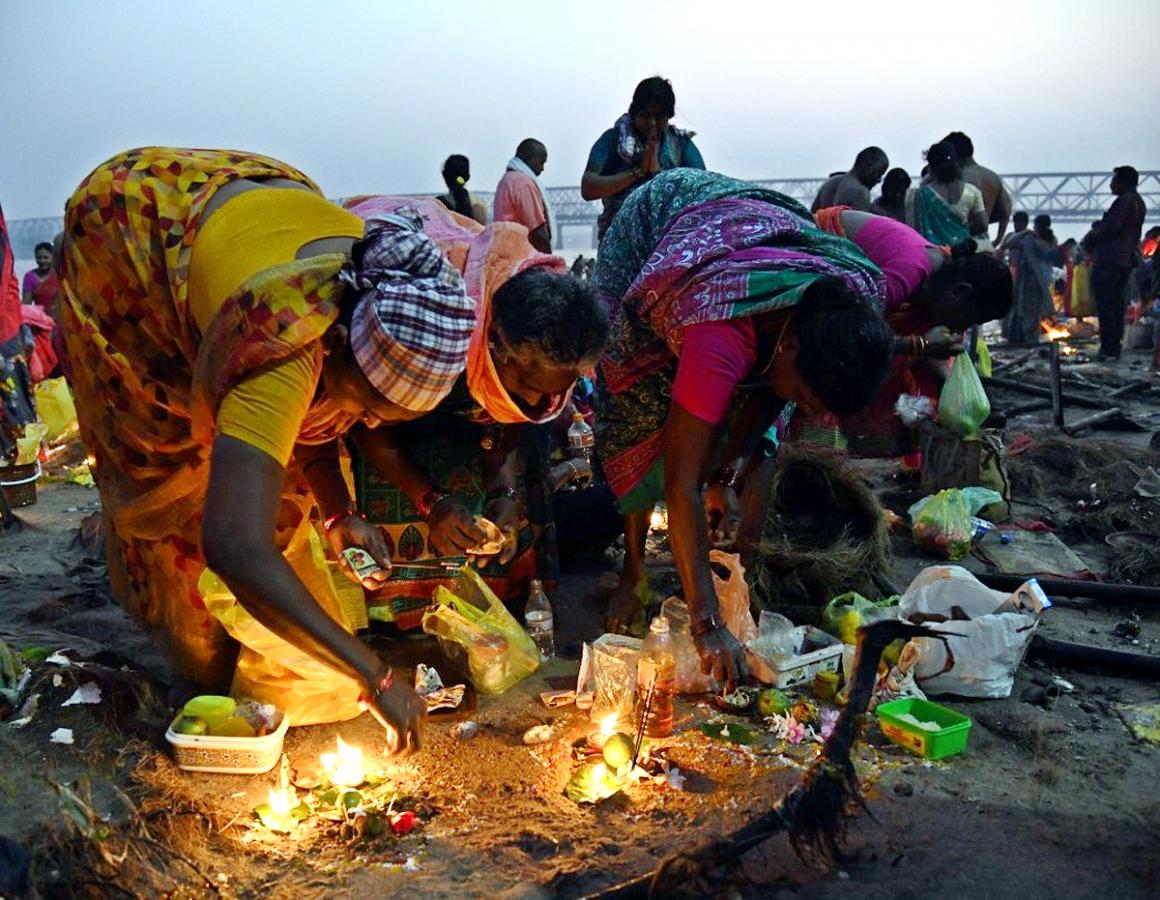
853, 188
996, 200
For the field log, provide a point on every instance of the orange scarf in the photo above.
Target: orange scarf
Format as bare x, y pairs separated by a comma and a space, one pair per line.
483, 380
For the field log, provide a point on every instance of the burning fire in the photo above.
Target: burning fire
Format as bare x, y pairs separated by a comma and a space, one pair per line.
1053, 332
659, 519
280, 802
607, 729
344, 768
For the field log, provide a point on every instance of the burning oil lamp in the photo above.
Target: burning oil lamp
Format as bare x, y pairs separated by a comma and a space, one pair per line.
599, 737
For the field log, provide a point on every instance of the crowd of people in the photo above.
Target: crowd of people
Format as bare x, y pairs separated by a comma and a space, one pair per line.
231, 337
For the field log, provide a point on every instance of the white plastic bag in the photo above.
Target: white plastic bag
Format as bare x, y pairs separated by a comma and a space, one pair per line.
980, 661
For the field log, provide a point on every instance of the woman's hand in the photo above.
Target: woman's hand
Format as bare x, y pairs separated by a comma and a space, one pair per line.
352, 531
505, 513
651, 161
942, 343
722, 514
722, 657
453, 528
403, 714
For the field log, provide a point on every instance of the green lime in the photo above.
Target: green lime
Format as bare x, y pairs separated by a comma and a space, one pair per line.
192, 725
618, 751
773, 702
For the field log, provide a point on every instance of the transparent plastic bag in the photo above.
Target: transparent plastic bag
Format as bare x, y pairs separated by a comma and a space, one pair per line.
470, 621
690, 679
941, 523
963, 405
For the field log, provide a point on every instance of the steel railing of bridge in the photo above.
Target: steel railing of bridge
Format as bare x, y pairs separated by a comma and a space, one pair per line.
1080, 197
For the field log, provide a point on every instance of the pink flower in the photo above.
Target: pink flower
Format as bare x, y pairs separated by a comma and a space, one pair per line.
828, 721
795, 731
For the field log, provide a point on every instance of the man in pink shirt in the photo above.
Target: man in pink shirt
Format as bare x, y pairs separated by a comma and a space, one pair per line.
519, 197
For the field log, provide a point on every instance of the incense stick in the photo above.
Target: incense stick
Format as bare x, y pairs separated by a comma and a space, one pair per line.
645, 709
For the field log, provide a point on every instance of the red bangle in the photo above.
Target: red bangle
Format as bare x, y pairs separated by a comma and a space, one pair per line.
429, 501
378, 687
330, 521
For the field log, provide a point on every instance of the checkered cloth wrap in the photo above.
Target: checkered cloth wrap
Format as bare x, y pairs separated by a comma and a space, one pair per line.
413, 322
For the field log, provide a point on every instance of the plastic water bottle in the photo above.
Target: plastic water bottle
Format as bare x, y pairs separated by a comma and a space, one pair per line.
656, 672
539, 621
581, 440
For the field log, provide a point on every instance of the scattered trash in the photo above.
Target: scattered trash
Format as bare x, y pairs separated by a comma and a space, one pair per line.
59, 659
465, 731
914, 408
61, 736
88, 693
556, 699
403, 822
1148, 485
1063, 684
540, 734
675, 779
1144, 721
1128, 628
411, 865
429, 686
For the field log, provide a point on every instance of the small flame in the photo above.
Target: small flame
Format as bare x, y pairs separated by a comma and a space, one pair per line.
608, 726
90, 460
344, 768
1067, 349
658, 520
1053, 332
280, 802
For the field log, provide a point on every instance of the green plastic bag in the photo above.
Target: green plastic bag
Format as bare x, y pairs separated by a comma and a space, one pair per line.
941, 523
963, 405
846, 613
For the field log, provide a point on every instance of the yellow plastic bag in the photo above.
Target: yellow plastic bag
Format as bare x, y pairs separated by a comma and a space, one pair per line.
28, 447
271, 669
54, 405
471, 622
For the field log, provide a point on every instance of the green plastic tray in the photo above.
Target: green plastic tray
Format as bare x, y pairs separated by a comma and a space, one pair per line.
951, 737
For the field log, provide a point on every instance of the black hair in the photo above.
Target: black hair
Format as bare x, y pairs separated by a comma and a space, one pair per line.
43, 245
844, 346
1043, 220
992, 290
943, 162
555, 315
895, 183
869, 157
1020, 216
530, 148
455, 167
654, 93
1129, 175
964, 148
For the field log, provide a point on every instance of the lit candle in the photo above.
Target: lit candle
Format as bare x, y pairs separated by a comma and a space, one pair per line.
598, 738
344, 768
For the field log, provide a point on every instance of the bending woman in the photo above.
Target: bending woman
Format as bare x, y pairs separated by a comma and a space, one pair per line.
931, 295
640, 144
425, 481
218, 355
714, 283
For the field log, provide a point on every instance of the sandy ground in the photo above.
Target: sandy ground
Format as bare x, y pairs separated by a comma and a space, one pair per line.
1051, 798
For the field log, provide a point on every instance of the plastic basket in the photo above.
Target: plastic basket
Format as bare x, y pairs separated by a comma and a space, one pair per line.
949, 739
19, 484
230, 755
801, 669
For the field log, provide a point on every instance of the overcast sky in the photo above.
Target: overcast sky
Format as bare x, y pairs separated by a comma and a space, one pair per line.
371, 97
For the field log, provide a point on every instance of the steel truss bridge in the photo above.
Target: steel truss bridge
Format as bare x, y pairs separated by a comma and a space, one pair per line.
1080, 197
